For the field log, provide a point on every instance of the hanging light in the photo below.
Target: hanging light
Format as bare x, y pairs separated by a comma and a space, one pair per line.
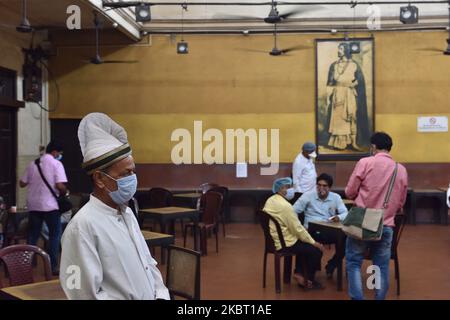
409, 14
182, 46
142, 12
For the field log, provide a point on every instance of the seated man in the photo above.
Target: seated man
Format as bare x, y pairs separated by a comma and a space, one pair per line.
322, 205
297, 239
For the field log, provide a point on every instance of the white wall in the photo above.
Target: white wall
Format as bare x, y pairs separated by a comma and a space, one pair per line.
33, 127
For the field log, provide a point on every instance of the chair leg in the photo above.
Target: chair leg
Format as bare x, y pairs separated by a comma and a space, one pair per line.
182, 227
277, 274
217, 241
264, 269
184, 235
203, 241
223, 226
287, 269
397, 275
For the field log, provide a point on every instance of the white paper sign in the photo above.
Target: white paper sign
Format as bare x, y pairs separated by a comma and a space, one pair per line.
241, 170
432, 124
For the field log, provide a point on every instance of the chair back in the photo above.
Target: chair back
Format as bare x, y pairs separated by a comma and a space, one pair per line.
212, 206
15, 227
160, 197
18, 260
183, 273
134, 206
204, 187
265, 220
400, 220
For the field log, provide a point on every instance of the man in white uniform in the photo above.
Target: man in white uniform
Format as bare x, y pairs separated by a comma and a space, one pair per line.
104, 255
304, 171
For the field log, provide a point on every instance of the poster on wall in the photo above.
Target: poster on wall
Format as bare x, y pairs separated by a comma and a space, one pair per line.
344, 98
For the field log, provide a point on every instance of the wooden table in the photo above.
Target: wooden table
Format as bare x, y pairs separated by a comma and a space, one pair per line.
167, 215
46, 290
333, 229
155, 239
191, 198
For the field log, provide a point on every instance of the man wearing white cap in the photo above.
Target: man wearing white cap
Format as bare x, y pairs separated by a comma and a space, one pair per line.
304, 171
104, 255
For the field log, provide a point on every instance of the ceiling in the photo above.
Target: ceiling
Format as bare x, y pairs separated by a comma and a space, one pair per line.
222, 18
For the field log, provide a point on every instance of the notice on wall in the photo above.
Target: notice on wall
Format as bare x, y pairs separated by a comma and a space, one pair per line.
241, 170
432, 124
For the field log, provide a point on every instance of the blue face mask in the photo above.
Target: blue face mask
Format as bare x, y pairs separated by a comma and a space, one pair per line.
59, 157
290, 193
126, 188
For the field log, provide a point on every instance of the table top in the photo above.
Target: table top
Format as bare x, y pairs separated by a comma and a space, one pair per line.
188, 195
437, 190
336, 225
150, 235
168, 210
46, 290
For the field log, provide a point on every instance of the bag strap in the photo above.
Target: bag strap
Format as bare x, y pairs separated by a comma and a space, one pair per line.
37, 162
391, 186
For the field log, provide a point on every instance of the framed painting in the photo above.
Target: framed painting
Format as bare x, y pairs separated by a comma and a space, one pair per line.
344, 98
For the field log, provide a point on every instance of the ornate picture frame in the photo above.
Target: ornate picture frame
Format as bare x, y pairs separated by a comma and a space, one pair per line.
345, 97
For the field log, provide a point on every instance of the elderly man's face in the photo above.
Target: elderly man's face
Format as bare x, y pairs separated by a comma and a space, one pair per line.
120, 169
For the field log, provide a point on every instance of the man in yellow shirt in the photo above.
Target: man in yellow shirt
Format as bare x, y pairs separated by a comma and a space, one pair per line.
297, 239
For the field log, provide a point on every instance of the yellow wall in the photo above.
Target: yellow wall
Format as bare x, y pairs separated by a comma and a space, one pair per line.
227, 85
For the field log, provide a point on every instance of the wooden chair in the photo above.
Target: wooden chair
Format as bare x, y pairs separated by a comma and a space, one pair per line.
400, 220
204, 187
224, 192
209, 219
157, 198
269, 247
183, 273
15, 228
18, 260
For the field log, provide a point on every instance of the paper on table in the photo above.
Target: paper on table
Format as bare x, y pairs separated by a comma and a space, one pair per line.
241, 170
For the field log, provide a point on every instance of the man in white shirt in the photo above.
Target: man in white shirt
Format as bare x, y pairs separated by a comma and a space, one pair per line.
104, 255
304, 171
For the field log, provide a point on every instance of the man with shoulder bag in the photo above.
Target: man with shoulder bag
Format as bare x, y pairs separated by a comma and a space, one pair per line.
378, 185
45, 178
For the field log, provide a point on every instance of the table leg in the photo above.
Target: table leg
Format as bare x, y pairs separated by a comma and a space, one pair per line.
162, 225
340, 251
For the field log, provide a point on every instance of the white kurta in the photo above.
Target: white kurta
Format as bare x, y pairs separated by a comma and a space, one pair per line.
111, 254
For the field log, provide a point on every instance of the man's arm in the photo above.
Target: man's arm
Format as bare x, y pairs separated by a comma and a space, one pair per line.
61, 188
61, 178
341, 210
352, 188
297, 169
81, 272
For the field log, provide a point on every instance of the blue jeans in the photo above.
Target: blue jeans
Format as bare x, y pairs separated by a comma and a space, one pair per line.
381, 255
53, 221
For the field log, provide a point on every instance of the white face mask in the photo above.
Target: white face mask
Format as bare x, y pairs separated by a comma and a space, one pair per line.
290, 193
313, 155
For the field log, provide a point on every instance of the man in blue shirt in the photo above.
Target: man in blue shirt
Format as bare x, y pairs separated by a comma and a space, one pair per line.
322, 205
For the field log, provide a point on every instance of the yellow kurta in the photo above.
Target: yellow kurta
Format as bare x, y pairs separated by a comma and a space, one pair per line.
279, 208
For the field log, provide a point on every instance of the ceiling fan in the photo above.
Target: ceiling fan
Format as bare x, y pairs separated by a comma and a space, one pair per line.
276, 51
25, 25
97, 59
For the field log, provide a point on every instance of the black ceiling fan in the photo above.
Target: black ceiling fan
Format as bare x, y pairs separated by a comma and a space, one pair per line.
274, 15
25, 25
276, 51
97, 59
